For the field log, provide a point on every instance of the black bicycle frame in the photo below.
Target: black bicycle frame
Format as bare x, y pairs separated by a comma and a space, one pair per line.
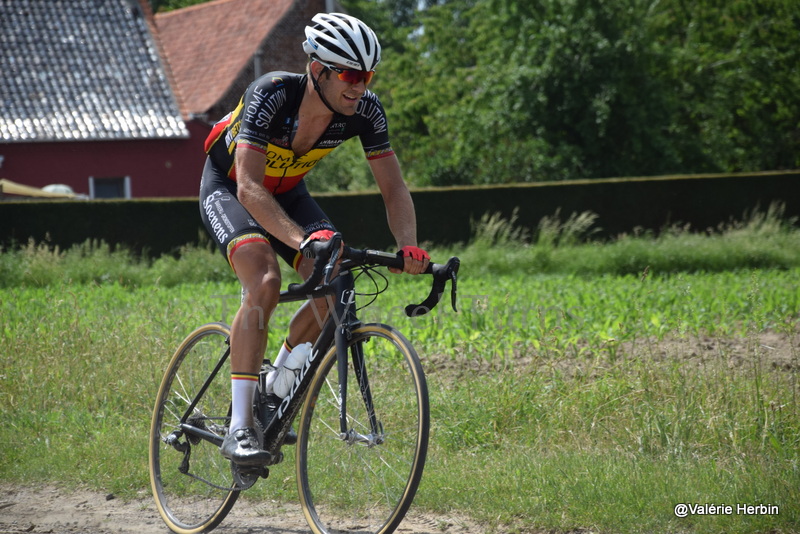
191, 429
337, 331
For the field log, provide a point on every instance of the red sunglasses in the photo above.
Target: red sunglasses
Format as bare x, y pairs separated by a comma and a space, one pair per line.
352, 76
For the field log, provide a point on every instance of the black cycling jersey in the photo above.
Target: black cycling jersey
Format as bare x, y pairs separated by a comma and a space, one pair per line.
266, 119
230, 225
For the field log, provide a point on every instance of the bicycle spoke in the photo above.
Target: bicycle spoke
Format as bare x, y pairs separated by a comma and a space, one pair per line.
368, 477
192, 483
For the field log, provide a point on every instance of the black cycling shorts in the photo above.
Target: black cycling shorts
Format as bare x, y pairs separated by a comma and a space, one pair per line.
230, 225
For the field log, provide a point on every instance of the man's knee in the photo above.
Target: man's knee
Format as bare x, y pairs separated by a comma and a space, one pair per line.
259, 273
264, 290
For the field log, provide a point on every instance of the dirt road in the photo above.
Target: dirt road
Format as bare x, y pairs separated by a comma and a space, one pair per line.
53, 511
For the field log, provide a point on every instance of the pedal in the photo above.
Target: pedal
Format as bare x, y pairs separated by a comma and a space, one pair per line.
245, 476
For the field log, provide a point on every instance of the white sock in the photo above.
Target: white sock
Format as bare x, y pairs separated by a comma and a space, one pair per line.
280, 359
243, 388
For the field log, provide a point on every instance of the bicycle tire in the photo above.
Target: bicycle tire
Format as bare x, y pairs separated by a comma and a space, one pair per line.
364, 487
198, 500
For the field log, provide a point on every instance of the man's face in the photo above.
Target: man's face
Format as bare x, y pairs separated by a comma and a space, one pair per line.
343, 90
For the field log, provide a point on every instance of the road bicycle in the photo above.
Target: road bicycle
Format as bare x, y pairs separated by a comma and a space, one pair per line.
360, 448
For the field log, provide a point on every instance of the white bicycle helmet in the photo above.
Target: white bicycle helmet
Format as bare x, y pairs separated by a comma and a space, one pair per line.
342, 39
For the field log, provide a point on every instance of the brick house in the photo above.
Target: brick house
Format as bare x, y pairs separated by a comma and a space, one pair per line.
113, 101
216, 49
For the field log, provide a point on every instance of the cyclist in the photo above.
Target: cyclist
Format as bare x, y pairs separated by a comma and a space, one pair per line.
255, 205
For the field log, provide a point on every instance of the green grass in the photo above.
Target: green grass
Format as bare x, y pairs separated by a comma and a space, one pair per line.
564, 398
618, 447
762, 240
40, 265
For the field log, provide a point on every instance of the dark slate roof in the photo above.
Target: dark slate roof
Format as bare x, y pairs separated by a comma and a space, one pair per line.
82, 70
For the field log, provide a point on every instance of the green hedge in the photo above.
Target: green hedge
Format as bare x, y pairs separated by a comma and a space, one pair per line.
445, 215
150, 226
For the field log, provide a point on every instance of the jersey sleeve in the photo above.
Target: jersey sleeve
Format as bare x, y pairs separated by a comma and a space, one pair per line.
260, 108
375, 136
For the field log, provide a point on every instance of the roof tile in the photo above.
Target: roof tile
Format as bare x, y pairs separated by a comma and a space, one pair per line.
208, 45
82, 70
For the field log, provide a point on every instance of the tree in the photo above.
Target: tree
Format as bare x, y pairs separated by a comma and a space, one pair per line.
496, 91
734, 66
501, 90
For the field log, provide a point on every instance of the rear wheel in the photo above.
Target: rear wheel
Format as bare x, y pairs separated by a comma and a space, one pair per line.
191, 482
365, 480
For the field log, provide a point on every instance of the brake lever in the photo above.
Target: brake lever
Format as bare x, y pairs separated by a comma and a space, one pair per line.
453, 273
337, 250
323, 268
441, 273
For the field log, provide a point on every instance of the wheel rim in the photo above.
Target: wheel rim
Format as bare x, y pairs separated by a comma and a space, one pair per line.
365, 485
198, 500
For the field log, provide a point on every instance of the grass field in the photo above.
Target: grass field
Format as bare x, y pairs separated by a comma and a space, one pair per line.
580, 386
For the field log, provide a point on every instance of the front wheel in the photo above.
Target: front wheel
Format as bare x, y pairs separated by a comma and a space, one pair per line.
364, 480
192, 483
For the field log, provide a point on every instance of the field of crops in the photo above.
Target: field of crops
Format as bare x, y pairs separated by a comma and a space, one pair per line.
563, 397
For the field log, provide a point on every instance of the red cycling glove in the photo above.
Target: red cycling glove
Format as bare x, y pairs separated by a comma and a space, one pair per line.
320, 235
414, 252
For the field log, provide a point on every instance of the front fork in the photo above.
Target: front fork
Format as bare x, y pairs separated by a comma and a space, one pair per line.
344, 315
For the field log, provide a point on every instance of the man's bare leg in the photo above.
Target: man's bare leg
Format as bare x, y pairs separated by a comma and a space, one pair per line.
259, 273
